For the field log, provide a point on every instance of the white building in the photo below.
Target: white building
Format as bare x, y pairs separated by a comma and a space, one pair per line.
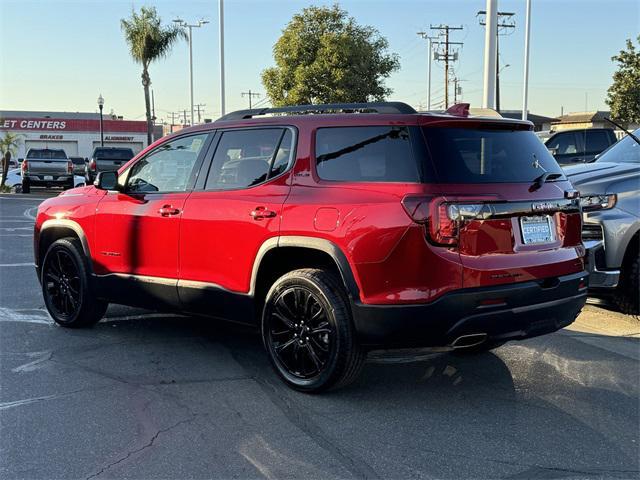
76, 133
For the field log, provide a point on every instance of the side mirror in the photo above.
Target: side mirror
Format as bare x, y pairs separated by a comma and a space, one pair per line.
106, 181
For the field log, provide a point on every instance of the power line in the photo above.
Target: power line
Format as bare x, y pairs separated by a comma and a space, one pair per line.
445, 54
250, 94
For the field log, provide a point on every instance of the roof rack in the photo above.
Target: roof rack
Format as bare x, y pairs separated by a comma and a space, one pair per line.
373, 107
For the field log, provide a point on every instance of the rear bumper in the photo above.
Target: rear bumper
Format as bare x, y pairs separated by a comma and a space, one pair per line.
55, 179
519, 311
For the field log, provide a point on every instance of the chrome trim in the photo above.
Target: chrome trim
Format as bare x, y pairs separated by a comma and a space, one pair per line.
141, 278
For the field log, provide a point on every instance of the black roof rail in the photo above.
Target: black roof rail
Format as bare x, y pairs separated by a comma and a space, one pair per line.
372, 107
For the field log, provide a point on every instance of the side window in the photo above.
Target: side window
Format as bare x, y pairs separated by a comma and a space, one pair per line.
245, 158
365, 154
167, 168
564, 143
597, 141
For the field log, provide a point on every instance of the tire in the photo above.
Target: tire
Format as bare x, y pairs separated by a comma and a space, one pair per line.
66, 286
26, 186
69, 185
317, 298
627, 294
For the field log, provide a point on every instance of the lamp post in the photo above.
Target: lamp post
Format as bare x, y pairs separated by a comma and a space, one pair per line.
430, 56
100, 106
182, 23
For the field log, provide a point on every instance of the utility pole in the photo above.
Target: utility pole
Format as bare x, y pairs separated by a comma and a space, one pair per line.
184, 117
173, 119
429, 40
504, 23
198, 109
490, 55
221, 45
525, 83
153, 108
446, 55
250, 94
184, 24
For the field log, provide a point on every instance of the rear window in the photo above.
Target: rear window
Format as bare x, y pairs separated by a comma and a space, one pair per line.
597, 140
113, 154
366, 154
466, 155
47, 154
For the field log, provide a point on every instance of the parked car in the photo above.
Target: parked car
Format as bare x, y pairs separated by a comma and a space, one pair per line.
337, 234
14, 180
610, 190
580, 146
106, 159
79, 165
45, 167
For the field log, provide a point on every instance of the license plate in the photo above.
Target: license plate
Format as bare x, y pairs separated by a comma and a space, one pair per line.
48, 177
537, 229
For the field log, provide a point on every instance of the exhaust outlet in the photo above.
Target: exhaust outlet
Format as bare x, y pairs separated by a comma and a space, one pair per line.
471, 340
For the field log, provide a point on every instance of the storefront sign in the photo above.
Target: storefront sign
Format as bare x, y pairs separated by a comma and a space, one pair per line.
51, 137
71, 125
113, 138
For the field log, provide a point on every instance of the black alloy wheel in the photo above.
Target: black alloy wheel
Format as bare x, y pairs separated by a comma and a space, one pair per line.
300, 333
66, 286
61, 282
308, 332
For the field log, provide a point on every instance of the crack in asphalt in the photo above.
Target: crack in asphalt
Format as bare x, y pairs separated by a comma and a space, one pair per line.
149, 444
294, 414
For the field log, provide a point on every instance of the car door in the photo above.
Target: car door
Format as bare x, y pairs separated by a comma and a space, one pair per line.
137, 228
232, 212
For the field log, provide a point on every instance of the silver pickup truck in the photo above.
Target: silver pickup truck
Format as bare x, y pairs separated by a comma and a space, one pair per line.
45, 167
610, 196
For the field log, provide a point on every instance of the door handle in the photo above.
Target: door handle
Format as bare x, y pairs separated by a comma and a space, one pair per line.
168, 210
261, 212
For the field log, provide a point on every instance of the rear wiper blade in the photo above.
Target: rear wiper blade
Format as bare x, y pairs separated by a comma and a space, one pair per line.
623, 129
540, 180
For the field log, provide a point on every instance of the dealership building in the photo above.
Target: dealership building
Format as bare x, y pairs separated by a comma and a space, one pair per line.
76, 133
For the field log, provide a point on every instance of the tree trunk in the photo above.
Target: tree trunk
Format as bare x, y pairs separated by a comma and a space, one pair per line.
146, 82
5, 167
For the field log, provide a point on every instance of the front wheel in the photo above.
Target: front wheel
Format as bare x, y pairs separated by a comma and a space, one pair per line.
66, 286
627, 294
308, 332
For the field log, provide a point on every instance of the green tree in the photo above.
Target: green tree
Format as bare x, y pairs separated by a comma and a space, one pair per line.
149, 41
324, 56
8, 146
624, 94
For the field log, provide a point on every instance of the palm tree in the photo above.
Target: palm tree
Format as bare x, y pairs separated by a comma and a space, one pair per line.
8, 147
148, 41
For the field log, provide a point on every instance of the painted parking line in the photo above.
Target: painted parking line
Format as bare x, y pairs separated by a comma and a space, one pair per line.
17, 264
30, 213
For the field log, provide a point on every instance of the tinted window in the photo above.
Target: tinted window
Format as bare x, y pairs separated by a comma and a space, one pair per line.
168, 167
47, 154
465, 155
365, 154
564, 143
77, 160
597, 141
245, 158
113, 153
626, 150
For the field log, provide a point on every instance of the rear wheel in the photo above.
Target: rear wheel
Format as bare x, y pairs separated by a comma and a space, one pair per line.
66, 286
627, 295
308, 332
69, 185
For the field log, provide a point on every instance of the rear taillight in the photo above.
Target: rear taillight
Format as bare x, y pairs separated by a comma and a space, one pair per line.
92, 165
443, 218
70, 167
24, 167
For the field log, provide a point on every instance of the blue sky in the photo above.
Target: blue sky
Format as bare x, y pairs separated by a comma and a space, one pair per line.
59, 55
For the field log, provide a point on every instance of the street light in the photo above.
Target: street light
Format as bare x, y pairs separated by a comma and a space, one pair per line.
182, 23
430, 55
100, 106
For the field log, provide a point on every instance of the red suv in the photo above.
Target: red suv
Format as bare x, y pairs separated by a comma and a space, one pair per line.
338, 229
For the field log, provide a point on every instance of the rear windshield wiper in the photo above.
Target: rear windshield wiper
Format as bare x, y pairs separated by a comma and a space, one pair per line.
542, 179
623, 129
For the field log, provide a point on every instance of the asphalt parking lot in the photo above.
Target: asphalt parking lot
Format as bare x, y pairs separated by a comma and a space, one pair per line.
148, 395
